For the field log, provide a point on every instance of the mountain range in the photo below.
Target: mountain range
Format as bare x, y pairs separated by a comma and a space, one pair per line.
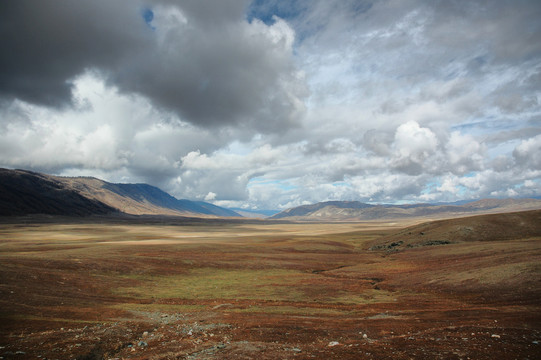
358, 211
25, 192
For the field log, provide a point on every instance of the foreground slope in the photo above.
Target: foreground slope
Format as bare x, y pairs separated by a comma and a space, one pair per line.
25, 192
357, 211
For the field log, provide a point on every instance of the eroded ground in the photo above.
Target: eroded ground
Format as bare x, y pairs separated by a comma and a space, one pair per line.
263, 291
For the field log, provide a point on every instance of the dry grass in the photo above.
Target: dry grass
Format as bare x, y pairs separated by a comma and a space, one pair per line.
316, 282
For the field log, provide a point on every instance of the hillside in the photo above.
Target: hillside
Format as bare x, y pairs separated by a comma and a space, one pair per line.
357, 211
25, 192
492, 227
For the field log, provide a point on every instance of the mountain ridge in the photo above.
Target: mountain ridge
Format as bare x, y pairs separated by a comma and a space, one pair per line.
24, 192
358, 211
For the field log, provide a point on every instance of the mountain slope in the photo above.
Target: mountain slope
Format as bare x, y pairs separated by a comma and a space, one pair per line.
24, 192
491, 227
355, 211
312, 209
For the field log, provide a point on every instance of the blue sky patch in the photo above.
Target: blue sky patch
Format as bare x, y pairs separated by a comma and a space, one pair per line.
266, 10
148, 16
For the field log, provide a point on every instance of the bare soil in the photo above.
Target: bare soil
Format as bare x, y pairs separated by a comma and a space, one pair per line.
109, 290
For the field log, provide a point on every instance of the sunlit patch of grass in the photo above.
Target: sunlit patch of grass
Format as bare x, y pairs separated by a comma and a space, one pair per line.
212, 283
248, 284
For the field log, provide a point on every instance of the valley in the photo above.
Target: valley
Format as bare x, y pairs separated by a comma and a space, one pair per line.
99, 288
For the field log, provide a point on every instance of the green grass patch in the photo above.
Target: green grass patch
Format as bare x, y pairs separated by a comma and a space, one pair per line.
212, 283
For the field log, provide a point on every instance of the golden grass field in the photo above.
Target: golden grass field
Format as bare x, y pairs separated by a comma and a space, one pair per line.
271, 290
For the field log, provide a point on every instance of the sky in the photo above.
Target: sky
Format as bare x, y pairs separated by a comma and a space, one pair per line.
274, 104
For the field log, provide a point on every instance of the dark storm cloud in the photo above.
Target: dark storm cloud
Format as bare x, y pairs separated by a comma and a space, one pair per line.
47, 43
199, 59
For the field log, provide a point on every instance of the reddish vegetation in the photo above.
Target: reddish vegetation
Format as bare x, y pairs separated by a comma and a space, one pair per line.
90, 291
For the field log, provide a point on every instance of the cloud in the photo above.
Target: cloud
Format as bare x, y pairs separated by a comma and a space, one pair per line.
526, 154
201, 60
465, 153
270, 104
47, 44
413, 146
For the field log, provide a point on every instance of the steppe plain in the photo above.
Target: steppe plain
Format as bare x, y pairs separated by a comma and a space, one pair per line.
160, 288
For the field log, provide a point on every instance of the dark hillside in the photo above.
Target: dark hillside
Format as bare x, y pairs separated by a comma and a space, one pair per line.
24, 192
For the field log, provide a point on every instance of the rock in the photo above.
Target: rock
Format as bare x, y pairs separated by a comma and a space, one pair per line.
145, 334
221, 306
333, 343
142, 344
365, 336
495, 336
296, 350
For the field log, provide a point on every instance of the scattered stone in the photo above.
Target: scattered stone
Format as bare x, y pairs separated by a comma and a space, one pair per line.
221, 346
221, 306
333, 343
145, 334
142, 344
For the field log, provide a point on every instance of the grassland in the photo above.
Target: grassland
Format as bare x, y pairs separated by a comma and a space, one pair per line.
117, 290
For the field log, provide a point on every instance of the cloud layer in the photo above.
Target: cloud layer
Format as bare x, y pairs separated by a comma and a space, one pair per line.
272, 104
